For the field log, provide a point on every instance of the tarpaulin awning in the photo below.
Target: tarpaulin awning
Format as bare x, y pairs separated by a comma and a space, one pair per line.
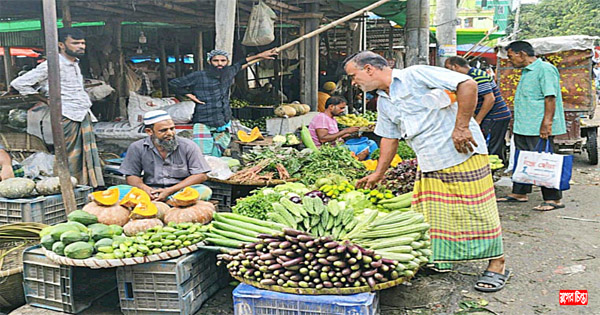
472, 35
35, 25
24, 52
394, 10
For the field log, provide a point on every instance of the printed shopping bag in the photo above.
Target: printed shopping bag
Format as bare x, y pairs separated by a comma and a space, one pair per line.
545, 169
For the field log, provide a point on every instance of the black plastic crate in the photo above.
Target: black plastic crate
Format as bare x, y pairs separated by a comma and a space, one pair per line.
63, 288
222, 193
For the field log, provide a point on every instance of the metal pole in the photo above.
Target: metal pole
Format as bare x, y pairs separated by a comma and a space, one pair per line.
54, 101
7, 66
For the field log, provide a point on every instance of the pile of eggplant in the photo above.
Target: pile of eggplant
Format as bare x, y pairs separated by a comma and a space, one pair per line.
295, 259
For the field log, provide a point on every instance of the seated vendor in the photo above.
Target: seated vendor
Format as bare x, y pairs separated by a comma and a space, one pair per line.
169, 163
324, 128
6, 168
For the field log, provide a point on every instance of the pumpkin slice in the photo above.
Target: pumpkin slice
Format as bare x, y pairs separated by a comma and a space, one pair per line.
256, 133
246, 138
187, 197
134, 197
106, 197
144, 210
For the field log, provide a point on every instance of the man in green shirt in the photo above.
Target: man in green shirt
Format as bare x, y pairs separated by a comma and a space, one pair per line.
539, 114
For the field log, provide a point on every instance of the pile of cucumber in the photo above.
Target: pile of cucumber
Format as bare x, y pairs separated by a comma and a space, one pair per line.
401, 236
296, 259
401, 203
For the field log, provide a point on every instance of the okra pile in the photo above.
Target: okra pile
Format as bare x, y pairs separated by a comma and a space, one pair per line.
296, 259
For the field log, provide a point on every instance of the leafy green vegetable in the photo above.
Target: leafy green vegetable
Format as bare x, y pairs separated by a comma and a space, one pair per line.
404, 151
327, 161
257, 204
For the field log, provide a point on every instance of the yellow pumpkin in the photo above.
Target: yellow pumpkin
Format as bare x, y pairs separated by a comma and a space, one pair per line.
133, 227
144, 210
134, 197
106, 197
187, 197
255, 134
285, 110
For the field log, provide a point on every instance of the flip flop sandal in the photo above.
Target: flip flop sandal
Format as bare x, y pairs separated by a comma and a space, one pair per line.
549, 204
496, 280
510, 199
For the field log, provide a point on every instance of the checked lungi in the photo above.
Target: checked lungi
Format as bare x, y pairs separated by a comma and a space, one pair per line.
212, 140
460, 205
84, 161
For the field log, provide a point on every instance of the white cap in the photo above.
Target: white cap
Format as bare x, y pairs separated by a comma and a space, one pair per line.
154, 116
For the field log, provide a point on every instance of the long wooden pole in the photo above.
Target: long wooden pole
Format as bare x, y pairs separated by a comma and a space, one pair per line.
327, 27
489, 32
54, 101
8, 70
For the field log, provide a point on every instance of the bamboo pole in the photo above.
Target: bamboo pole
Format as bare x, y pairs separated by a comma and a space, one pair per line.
327, 27
482, 40
61, 167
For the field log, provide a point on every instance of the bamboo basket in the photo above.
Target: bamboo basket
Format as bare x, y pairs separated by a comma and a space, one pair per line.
11, 274
21, 145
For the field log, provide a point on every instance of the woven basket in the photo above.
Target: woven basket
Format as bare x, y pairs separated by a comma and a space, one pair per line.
11, 274
21, 145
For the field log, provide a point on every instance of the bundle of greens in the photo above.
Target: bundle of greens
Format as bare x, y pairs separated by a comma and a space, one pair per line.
404, 151
271, 162
330, 160
257, 204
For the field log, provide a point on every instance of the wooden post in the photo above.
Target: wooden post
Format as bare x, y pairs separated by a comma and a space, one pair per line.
8, 71
199, 55
311, 64
164, 84
225, 25
177, 59
66, 13
301, 64
61, 167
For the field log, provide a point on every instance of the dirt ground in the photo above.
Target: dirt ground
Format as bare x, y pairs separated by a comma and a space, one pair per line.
546, 251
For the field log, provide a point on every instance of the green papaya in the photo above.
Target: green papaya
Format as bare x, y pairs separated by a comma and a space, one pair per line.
103, 242
99, 231
47, 241
82, 217
59, 229
116, 229
59, 248
46, 231
79, 250
69, 237
78, 225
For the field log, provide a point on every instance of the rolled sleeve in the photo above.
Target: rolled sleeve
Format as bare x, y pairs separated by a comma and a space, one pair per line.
549, 77
196, 162
26, 84
132, 164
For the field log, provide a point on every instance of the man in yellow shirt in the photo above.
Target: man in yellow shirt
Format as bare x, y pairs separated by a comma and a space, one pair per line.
324, 95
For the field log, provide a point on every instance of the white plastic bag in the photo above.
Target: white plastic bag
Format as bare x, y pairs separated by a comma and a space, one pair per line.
138, 105
261, 26
38, 164
219, 168
181, 113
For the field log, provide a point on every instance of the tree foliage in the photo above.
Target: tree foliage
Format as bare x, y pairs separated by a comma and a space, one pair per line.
559, 18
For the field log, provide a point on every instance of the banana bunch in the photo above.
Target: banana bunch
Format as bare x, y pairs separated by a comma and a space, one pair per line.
495, 162
352, 120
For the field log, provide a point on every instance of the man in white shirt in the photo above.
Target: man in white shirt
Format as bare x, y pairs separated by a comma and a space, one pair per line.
84, 161
432, 109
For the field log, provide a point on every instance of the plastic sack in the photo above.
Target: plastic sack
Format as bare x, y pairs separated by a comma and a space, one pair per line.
38, 164
261, 26
138, 105
99, 89
219, 168
181, 113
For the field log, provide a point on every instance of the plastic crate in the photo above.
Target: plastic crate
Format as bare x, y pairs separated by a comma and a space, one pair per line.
249, 300
222, 193
44, 209
175, 286
63, 288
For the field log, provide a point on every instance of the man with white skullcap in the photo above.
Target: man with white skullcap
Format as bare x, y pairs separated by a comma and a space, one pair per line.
209, 89
163, 163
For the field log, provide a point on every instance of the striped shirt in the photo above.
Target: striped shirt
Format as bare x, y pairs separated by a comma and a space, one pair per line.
418, 110
486, 85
